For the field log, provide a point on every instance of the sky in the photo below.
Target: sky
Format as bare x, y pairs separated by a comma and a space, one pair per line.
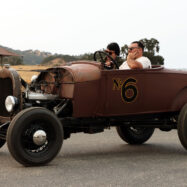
76, 27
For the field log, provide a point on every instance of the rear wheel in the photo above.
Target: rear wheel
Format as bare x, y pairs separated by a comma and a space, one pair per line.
182, 126
134, 135
34, 136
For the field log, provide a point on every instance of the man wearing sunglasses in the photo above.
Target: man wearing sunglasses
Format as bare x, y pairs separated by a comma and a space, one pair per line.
135, 58
113, 50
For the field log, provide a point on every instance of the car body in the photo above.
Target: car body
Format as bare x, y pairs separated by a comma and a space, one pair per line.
84, 97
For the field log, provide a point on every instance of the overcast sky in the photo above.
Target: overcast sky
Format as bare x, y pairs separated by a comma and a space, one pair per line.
80, 26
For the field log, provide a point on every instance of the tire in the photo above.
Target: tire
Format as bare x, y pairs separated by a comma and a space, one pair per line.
182, 126
133, 135
21, 133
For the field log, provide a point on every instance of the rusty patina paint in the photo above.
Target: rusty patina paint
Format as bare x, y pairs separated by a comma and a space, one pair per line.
98, 92
69, 76
83, 71
13, 81
95, 92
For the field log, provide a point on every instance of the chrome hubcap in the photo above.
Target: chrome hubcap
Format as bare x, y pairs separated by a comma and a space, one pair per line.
39, 137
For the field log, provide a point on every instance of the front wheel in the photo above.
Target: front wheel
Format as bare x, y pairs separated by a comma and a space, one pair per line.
34, 136
134, 135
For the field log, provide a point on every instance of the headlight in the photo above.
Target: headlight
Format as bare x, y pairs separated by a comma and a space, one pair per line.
10, 103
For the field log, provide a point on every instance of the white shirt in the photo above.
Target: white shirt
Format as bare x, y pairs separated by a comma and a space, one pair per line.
146, 63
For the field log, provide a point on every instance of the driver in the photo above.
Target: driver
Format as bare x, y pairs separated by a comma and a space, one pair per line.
113, 50
135, 58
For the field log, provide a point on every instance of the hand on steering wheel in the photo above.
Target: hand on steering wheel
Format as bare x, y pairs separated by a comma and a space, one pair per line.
102, 55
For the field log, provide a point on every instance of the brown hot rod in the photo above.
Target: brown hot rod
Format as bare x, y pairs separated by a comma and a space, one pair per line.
84, 97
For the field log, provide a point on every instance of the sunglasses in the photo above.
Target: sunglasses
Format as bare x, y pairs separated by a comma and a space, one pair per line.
131, 48
109, 52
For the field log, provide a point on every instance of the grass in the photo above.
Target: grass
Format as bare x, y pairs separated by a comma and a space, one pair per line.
25, 70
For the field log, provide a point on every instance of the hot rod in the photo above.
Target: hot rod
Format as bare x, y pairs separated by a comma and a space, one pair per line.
83, 96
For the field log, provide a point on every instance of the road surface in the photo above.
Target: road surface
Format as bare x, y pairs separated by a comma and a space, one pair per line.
104, 160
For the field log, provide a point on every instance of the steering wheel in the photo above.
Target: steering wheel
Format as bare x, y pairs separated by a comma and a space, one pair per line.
102, 55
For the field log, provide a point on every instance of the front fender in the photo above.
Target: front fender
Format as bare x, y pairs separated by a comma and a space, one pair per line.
10, 84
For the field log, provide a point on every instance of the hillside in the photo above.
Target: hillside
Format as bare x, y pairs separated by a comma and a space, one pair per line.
35, 57
31, 57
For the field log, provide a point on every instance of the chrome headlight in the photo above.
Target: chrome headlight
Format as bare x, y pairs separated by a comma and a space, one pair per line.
10, 103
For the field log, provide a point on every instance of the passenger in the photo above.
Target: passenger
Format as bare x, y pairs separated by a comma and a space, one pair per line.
113, 50
135, 58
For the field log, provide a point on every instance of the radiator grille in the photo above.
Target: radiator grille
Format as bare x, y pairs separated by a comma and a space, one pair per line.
6, 89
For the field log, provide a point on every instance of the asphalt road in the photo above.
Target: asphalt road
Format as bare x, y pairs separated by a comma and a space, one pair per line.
104, 160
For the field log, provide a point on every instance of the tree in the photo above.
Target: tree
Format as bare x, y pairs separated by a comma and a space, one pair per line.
86, 56
155, 59
151, 49
67, 58
124, 50
151, 46
13, 60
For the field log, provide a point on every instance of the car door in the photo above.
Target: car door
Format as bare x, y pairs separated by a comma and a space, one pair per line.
125, 92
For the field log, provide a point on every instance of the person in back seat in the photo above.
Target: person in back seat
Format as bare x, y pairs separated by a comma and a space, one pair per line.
135, 58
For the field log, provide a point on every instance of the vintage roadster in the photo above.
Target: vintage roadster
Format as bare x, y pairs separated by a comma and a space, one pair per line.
84, 97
